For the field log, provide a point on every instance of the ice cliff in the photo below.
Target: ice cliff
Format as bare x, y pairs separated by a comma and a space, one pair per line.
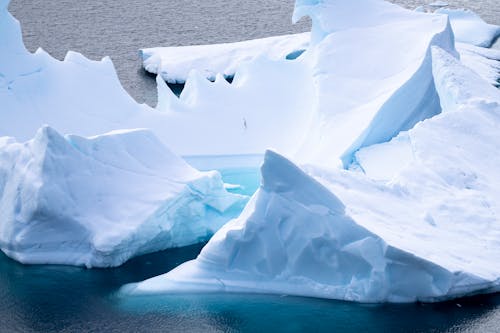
101, 200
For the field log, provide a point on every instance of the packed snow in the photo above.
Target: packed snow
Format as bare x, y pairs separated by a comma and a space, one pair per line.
174, 63
99, 201
470, 28
398, 194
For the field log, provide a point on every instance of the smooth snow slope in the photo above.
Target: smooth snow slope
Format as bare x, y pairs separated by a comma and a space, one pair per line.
470, 28
99, 201
372, 74
174, 63
430, 233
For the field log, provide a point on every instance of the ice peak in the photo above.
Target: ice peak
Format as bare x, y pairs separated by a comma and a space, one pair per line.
280, 175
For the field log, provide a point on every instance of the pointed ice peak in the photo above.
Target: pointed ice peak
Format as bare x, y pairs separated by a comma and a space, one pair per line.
280, 175
166, 97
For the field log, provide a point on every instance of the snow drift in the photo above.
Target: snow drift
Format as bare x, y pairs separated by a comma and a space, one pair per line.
174, 63
99, 201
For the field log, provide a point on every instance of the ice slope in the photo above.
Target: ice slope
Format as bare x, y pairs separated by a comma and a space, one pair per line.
429, 231
84, 97
470, 28
99, 201
372, 74
175, 63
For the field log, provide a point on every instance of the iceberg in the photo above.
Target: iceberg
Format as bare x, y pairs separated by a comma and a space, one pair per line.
98, 201
396, 199
85, 97
174, 63
429, 233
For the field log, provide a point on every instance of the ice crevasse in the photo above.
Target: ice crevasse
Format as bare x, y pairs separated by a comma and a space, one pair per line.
410, 213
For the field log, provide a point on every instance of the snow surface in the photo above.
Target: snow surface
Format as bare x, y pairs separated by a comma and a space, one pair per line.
174, 63
470, 28
410, 215
99, 201
428, 234
484, 61
378, 93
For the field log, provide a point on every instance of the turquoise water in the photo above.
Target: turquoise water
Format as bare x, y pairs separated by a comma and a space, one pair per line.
69, 299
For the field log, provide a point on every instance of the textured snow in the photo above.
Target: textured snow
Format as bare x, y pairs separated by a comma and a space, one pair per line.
428, 234
410, 214
99, 201
470, 28
174, 63
484, 61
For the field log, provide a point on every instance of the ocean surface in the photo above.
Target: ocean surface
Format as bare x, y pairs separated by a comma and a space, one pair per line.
69, 299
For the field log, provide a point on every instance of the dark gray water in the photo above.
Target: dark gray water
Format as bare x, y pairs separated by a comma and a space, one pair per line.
119, 28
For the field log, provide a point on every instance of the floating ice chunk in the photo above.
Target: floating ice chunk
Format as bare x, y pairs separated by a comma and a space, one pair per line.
438, 4
175, 63
470, 28
99, 201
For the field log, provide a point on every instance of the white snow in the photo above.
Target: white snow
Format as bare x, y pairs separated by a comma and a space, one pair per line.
99, 201
484, 61
413, 213
174, 63
470, 28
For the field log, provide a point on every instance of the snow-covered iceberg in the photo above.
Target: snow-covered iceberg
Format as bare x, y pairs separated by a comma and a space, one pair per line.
101, 200
262, 107
174, 63
411, 212
429, 232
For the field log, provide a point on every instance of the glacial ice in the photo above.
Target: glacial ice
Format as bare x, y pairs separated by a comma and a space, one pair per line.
428, 233
174, 63
85, 97
409, 213
395, 198
101, 200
